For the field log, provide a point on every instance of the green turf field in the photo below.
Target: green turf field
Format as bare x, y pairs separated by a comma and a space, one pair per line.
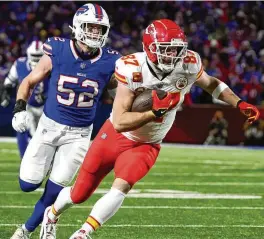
190, 193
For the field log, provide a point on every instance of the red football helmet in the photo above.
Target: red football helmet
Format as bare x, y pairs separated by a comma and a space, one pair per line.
165, 44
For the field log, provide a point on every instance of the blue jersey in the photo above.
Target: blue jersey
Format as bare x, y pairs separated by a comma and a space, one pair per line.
76, 85
19, 71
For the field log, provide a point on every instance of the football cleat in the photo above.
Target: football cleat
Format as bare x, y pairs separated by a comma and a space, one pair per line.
48, 227
80, 234
20, 233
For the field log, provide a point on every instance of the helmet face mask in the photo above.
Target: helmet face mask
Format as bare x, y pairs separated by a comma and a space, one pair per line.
165, 44
169, 55
91, 25
34, 53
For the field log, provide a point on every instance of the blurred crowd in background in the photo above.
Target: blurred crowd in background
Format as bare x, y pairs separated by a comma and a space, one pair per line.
229, 36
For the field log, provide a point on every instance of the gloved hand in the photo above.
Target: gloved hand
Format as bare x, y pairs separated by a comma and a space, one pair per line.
250, 111
175, 99
20, 119
161, 106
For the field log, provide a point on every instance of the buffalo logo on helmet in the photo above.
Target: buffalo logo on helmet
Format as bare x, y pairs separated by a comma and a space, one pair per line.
181, 83
82, 10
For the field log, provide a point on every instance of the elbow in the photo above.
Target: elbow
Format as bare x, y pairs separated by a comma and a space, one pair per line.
118, 128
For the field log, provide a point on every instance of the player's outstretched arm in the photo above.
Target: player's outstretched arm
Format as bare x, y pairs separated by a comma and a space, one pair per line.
123, 119
20, 120
38, 74
221, 91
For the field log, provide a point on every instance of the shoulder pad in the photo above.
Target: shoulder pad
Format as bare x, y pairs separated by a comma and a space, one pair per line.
193, 63
51, 44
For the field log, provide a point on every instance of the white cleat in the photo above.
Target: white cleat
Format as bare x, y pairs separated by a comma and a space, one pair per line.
48, 227
20, 233
80, 234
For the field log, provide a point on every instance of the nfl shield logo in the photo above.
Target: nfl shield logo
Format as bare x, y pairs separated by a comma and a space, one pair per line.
82, 65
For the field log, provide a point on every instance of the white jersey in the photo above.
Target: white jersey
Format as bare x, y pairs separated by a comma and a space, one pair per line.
135, 72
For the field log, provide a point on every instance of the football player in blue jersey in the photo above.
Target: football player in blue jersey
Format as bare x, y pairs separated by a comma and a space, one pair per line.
19, 70
80, 71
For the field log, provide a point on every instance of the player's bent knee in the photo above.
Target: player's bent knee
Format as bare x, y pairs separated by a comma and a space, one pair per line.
28, 187
122, 185
78, 198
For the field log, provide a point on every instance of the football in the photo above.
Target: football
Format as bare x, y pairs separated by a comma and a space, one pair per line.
143, 102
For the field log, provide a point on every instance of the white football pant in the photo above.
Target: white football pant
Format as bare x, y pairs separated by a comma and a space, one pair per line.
55, 148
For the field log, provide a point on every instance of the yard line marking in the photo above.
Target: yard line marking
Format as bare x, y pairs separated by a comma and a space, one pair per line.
193, 161
9, 151
8, 140
249, 175
151, 225
169, 194
149, 207
202, 183
175, 183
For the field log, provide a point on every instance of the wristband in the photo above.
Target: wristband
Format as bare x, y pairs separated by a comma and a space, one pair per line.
20, 106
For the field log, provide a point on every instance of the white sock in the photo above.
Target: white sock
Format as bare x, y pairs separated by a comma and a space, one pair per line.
25, 229
104, 209
62, 203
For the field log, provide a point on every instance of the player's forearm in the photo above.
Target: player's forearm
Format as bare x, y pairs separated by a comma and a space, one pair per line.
229, 97
219, 90
24, 90
132, 120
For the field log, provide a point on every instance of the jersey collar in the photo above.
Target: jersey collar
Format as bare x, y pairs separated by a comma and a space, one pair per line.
156, 72
74, 52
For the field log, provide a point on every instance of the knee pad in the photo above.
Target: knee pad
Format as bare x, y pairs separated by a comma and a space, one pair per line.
28, 187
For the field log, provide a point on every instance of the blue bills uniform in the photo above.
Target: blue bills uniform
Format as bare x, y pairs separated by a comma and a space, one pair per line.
63, 134
76, 85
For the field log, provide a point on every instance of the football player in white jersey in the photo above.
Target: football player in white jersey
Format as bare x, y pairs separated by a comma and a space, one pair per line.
129, 142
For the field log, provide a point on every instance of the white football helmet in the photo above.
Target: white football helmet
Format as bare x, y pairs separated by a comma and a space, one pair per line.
86, 16
34, 53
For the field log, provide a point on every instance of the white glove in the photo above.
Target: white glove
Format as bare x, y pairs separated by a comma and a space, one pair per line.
20, 121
